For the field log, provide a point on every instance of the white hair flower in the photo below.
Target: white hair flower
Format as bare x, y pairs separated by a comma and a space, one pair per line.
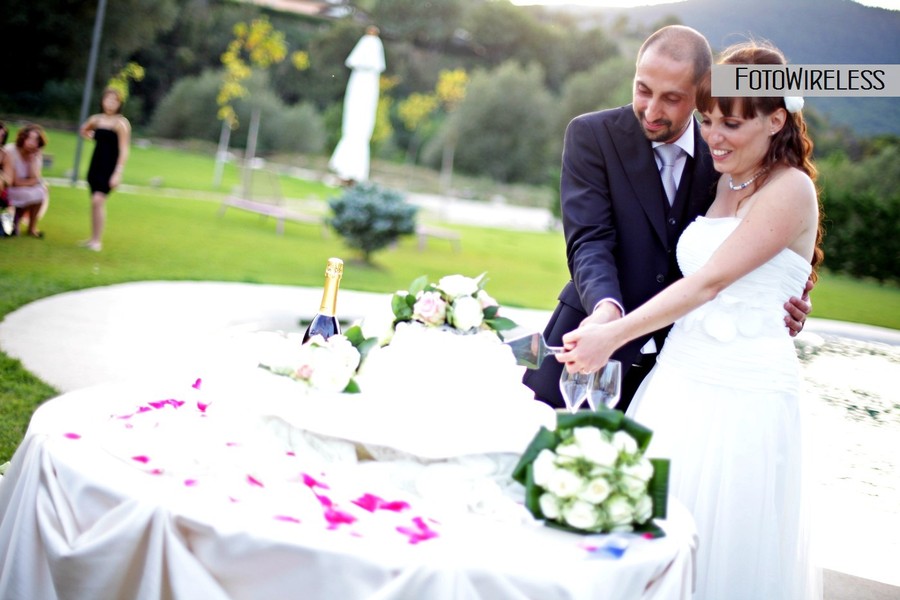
793, 104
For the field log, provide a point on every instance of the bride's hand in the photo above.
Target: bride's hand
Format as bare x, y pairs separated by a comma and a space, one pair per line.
798, 309
587, 349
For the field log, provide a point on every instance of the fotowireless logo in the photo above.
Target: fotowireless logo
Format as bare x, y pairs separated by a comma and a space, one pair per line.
806, 80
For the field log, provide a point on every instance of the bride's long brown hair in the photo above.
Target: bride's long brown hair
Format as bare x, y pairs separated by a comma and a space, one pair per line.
790, 147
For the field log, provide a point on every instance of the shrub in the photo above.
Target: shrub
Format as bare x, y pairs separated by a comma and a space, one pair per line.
370, 217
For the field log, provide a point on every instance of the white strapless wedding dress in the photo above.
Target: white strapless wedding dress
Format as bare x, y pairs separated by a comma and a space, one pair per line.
723, 406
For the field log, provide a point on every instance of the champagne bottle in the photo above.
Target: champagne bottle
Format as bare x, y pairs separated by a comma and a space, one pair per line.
325, 322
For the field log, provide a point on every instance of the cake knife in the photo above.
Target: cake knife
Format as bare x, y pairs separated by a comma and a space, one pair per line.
531, 349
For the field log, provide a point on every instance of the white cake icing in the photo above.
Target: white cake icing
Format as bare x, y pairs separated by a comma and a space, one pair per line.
437, 368
430, 393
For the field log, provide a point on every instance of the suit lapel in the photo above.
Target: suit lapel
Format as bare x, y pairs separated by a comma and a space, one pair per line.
639, 165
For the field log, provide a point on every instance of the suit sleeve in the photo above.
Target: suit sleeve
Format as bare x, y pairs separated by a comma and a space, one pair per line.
587, 211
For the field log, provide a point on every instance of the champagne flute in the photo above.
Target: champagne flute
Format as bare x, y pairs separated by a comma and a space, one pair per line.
574, 388
606, 386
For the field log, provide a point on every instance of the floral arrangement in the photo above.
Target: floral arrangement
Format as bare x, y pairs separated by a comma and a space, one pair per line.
328, 365
590, 475
455, 302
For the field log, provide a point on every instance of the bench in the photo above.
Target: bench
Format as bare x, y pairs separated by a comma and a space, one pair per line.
277, 211
261, 194
423, 232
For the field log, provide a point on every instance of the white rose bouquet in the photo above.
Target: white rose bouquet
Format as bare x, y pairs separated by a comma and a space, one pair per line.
455, 302
327, 365
590, 475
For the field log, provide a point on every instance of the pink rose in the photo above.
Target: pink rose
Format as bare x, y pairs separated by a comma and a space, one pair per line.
430, 308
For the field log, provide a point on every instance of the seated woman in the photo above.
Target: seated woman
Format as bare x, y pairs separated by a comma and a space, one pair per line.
6, 217
27, 191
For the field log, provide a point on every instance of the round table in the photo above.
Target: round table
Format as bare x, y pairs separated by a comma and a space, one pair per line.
149, 490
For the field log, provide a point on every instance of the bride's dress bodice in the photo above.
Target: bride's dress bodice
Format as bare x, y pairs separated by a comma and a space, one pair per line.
742, 329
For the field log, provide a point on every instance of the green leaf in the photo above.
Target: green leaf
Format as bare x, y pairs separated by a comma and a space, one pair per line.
490, 312
354, 333
400, 306
544, 438
352, 387
659, 487
610, 420
532, 494
418, 285
502, 324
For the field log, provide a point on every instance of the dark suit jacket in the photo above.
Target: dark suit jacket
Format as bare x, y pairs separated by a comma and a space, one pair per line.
620, 231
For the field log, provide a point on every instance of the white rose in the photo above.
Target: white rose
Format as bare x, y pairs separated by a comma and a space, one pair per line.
570, 451
457, 285
329, 373
581, 515
549, 505
619, 511
642, 470
594, 447
466, 313
485, 299
632, 486
543, 467
624, 442
643, 509
565, 483
345, 350
596, 490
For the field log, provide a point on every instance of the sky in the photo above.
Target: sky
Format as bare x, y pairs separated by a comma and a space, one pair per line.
891, 4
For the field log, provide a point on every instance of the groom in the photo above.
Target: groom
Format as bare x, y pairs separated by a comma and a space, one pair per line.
632, 179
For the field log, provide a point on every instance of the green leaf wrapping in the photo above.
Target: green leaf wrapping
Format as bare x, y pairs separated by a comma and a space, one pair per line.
659, 487
610, 420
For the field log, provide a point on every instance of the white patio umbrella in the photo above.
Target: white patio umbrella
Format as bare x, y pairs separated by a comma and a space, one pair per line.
351, 156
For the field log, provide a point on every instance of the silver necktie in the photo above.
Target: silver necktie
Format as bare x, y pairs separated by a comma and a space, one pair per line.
668, 154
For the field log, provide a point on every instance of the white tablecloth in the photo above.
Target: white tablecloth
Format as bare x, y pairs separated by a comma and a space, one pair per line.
122, 491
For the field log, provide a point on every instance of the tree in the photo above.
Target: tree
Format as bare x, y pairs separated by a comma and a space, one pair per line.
504, 124
428, 23
47, 78
370, 217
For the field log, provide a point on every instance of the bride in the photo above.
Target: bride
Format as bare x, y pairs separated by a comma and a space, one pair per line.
723, 398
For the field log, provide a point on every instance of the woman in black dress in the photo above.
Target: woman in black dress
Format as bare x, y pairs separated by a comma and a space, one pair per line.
111, 133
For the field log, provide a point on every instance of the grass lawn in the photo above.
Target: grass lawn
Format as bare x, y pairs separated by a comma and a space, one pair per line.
156, 236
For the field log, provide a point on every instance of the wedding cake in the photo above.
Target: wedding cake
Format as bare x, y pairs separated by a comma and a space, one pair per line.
441, 384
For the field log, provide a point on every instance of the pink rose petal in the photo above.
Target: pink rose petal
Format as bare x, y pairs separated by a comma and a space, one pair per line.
371, 503
190, 482
141, 459
197, 384
72, 436
309, 481
287, 519
254, 481
336, 518
157, 471
420, 533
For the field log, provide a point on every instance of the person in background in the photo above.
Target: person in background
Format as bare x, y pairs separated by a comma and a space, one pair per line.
6, 217
632, 179
111, 133
27, 192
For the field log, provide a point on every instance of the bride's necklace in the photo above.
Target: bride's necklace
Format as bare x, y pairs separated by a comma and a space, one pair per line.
740, 186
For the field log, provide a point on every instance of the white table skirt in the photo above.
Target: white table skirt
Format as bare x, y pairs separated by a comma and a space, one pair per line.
103, 500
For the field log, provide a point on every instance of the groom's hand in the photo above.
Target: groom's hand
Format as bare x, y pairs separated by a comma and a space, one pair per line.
605, 312
798, 309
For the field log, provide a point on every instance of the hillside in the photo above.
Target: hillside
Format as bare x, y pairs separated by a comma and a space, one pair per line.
808, 31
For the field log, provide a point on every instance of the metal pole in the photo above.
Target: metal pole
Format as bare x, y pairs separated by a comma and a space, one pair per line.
89, 82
